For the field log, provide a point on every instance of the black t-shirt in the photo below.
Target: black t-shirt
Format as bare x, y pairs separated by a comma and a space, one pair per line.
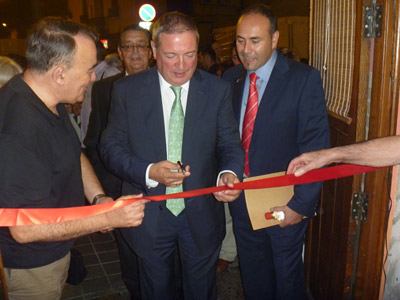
39, 168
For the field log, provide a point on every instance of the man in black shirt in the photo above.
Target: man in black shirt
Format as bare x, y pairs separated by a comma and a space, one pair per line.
41, 165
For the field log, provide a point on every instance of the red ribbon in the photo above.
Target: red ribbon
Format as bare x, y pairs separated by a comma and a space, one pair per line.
32, 216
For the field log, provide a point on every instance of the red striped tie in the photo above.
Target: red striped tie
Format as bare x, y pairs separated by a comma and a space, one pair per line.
249, 119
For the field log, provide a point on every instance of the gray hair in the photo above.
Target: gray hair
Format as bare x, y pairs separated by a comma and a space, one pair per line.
8, 68
135, 27
51, 42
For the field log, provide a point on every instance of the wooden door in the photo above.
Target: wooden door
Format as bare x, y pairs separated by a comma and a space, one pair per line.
344, 256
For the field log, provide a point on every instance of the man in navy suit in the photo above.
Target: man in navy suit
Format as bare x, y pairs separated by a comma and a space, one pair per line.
135, 54
290, 118
135, 145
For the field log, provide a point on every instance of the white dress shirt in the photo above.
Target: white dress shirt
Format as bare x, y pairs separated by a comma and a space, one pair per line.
167, 99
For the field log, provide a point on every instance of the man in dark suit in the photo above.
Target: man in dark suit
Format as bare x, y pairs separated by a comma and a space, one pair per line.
135, 54
280, 108
187, 116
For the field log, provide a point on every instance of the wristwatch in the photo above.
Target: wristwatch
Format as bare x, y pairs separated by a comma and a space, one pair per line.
97, 197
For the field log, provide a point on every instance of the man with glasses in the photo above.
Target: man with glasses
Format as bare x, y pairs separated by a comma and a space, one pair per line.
101, 70
134, 51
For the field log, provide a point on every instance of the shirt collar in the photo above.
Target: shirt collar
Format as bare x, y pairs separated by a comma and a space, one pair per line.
265, 71
164, 85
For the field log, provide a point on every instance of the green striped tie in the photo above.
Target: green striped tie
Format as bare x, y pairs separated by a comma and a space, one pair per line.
175, 137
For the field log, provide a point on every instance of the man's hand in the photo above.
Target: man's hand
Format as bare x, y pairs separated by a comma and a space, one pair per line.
127, 216
229, 180
307, 162
161, 172
102, 200
291, 217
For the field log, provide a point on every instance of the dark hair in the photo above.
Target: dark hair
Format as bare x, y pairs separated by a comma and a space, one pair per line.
173, 22
135, 27
289, 53
51, 41
207, 50
233, 46
262, 9
19, 59
215, 68
100, 51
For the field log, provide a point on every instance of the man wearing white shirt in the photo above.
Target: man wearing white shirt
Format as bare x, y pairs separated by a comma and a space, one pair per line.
137, 146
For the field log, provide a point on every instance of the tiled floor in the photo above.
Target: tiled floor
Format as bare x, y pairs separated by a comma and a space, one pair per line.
104, 282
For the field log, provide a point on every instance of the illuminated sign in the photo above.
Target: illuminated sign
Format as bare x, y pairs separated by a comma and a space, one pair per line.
105, 43
145, 25
147, 12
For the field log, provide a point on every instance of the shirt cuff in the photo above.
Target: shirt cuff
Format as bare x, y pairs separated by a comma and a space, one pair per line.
150, 182
222, 172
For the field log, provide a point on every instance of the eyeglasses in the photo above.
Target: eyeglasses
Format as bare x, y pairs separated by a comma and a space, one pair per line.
129, 48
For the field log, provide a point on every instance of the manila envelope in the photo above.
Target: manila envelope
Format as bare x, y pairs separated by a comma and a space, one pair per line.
259, 201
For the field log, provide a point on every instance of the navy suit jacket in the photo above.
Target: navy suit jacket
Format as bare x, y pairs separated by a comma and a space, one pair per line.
135, 137
291, 119
101, 98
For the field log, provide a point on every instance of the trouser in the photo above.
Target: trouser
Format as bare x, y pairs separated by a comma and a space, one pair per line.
42, 283
270, 259
228, 249
157, 268
129, 266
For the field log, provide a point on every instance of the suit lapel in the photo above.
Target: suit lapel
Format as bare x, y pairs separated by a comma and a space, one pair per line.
153, 112
196, 102
276, 83
238, 87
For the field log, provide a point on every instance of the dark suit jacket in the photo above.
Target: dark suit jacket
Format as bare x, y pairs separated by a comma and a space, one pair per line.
101, 97
291, 119
135, 137
232, 74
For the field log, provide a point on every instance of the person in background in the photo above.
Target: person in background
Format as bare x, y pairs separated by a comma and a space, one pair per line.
135, 54
41, 163
113, 60
102, 70
280, 107
235, 57
175, 112
74, 113
215, 45
8, 69
217, 69
231, 74
228, 250
19, 59
378, 152
206, 58
289, 53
